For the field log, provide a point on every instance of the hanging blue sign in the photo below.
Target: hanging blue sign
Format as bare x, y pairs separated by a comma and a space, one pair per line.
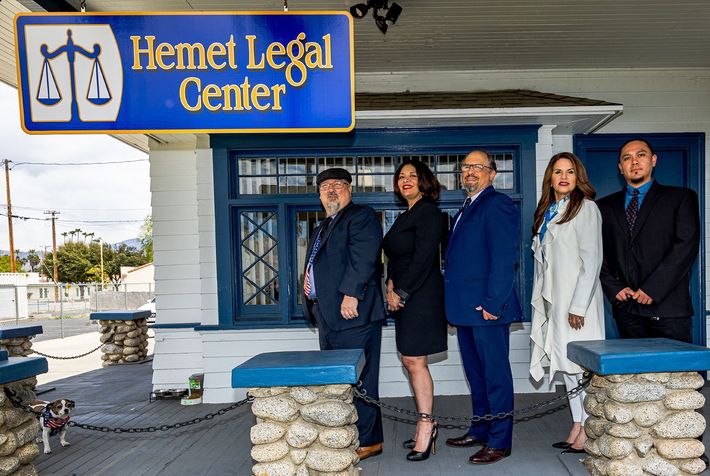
193, 73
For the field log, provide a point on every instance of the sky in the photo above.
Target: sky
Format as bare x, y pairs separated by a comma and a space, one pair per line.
117, 195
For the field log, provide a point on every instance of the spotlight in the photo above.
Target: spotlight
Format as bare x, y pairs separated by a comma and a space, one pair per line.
393, 14
359, 10
381, 23
384, 14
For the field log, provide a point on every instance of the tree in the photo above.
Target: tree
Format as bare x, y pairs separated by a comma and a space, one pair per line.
80, 262
146, 238
33, 260
5, 264
122, 255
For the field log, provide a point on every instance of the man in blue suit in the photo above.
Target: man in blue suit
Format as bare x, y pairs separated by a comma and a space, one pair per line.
342, 293
481, 301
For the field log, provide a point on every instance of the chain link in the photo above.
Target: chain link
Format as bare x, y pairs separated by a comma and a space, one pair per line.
151, 429
361, 394
59, 357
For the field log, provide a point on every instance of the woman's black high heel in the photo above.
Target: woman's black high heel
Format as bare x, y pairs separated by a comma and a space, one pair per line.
409, 444
430, 449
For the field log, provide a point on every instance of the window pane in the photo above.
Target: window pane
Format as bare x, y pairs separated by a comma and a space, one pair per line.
257, 185
259, 257
297, 184
503, 181
257, 166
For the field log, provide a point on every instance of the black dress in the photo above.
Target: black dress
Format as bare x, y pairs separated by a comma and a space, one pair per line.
413, 247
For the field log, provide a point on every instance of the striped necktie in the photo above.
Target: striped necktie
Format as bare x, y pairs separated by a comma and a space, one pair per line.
316, 246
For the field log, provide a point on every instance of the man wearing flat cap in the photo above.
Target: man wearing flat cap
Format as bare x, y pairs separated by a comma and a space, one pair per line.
341, 285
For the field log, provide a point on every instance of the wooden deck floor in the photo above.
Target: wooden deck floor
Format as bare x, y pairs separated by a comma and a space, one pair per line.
118, 397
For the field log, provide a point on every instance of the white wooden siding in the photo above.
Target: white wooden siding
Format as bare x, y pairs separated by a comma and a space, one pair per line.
654, 101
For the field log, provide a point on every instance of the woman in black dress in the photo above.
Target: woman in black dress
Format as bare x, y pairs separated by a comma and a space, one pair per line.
415, 291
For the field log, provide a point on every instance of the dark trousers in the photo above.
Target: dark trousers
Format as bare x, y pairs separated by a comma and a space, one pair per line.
633, 326
484, 352
369, 339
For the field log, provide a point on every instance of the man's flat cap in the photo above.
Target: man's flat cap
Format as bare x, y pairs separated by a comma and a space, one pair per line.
334, 173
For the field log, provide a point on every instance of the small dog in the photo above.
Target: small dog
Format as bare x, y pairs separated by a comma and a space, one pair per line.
54, 419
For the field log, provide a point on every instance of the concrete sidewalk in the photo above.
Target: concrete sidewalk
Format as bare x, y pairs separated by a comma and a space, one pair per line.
71, 346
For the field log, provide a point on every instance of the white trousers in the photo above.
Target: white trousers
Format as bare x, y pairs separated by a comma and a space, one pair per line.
576, 403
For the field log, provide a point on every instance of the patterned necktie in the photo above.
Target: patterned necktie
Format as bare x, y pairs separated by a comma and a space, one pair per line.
632, 211
312, 257
457, 217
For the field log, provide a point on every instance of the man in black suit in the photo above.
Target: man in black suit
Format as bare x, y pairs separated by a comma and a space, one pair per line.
651, 235
342, 290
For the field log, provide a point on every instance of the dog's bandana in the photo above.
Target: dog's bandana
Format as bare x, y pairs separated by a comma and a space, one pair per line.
53, 423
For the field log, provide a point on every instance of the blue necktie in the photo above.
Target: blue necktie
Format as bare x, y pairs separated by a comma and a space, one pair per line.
312, 257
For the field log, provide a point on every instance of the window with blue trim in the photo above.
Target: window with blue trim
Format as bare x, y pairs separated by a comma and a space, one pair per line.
270, 199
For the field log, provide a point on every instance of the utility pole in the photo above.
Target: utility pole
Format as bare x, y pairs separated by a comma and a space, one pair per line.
54, 252
100, 241
101, 252
9, 217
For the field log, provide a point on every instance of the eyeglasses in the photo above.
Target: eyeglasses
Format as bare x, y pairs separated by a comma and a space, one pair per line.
337, 186
475, 167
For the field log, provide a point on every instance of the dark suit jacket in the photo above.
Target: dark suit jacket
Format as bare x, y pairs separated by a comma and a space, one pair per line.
348, 263
481, 260
658, 256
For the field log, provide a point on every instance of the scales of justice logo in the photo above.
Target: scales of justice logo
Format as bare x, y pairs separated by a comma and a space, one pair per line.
75, 73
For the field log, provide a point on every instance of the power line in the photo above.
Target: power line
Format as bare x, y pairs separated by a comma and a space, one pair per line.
83, 209
25, 218
111, 162
19, 217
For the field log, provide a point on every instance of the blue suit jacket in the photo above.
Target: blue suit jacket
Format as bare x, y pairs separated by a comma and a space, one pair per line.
348, 263
481, 261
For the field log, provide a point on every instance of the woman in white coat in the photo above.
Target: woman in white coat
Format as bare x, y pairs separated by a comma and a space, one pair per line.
567, 298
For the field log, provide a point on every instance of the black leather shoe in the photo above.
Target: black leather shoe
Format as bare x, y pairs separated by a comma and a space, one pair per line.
561, 445
465, 441
409, 444
572, 451
489, 455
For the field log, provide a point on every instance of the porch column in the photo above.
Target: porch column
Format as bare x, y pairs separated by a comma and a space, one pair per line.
305, 417
642, 404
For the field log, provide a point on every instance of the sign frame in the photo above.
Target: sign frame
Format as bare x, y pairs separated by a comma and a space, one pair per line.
24, 101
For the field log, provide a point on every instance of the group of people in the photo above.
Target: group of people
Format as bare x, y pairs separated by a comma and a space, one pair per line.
583, 250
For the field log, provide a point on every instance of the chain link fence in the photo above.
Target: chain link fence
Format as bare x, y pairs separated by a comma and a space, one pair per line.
52, 306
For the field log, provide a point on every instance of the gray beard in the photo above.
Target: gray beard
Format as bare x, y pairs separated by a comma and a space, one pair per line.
471, 189
331, 208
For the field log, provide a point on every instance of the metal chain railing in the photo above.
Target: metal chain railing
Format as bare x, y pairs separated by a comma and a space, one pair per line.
58, 357
146, 429
362, 395
151, 429
359, 393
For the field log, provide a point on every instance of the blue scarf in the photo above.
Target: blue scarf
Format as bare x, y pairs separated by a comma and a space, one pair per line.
550, 214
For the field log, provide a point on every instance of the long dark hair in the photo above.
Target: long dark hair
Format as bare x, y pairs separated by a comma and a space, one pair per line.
428, 183
583, 190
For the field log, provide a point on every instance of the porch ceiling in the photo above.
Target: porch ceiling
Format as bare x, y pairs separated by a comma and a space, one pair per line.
498, 34
448, 35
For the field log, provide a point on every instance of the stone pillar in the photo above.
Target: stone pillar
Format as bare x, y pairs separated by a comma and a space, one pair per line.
304, 431
18, 346
18, 430
124, 341
645, 424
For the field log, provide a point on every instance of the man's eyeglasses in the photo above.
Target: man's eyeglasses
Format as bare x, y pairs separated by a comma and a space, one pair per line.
475, 167
337, 186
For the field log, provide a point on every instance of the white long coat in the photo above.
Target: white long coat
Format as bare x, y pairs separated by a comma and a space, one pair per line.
567, 266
